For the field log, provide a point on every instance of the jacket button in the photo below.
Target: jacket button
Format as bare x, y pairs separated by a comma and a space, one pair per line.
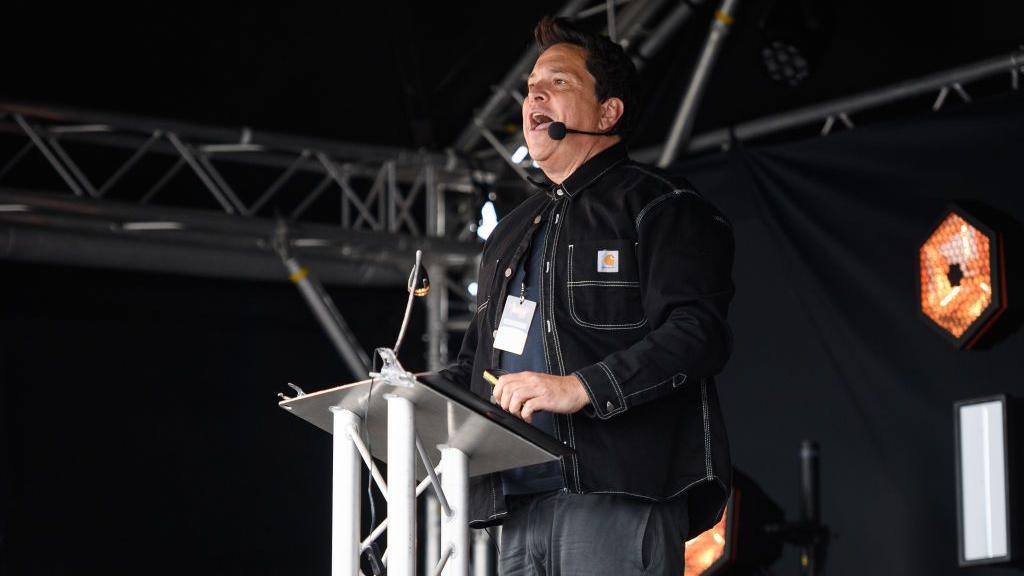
610, 406
559, 192
508, 272
537, 220
494, 334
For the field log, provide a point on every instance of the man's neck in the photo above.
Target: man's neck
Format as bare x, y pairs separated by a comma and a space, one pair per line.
559, 170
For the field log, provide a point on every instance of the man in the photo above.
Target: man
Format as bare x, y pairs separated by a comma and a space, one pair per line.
619, 278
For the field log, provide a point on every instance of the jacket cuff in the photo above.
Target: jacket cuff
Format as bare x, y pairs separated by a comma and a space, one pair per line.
606, 399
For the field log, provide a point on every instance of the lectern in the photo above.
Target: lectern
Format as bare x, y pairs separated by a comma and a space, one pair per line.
418, 424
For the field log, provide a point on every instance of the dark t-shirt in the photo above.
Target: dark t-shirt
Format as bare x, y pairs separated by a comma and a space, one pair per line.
547, 476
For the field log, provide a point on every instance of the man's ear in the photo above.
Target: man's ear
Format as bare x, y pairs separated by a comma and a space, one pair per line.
611, 112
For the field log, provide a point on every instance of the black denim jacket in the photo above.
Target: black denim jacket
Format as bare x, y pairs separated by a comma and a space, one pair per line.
645, 335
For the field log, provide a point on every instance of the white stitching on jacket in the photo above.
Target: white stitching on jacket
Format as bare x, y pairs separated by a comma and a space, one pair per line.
562, 466
544, 340
494, 498
652, 204
590, 391
572, 308
575, 457
615, 383
594, 179
551, 296
631, 394
652, 499
602, 283
707, 427
663, 180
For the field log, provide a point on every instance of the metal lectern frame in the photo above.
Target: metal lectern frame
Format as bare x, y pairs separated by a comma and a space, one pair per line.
409, 414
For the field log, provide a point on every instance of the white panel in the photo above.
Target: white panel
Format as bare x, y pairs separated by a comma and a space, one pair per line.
983, 481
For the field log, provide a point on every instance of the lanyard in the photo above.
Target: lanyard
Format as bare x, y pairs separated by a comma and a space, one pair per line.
528, 251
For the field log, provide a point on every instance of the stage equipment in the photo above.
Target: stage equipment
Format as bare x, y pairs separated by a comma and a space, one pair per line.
987, 456
808, 534
785, 63
682, 126
813, 539
794, 34
962, 278
558, 131
320, 302
739, 542
723, 138
714, 549
419, 424
422, 283
419, 285
750, 535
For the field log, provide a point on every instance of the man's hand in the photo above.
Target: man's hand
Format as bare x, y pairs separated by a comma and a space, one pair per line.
523, 393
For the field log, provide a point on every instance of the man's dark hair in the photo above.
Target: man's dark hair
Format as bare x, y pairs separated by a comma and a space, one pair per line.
613, 71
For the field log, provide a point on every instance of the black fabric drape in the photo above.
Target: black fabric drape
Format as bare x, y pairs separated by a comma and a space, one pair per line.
829, 341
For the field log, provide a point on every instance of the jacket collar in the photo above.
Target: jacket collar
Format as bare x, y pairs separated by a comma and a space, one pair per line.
590, 171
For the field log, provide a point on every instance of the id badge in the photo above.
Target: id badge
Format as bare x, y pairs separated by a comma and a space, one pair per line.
514, 325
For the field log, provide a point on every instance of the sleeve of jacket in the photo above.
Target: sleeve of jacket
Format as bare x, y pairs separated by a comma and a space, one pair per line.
685, 253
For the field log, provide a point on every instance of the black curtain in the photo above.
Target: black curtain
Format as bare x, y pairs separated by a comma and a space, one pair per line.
140, 426
830, 345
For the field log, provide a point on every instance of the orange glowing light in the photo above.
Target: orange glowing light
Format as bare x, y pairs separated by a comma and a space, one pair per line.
707, 548
957, 278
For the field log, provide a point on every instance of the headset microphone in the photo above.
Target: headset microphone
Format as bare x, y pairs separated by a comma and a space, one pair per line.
558, 131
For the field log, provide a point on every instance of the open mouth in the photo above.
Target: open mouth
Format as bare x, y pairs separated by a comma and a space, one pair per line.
540, 121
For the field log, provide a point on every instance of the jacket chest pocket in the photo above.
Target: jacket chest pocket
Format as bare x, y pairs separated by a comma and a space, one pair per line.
604, 285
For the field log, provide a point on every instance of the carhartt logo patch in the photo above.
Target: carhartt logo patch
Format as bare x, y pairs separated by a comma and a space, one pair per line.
607, 260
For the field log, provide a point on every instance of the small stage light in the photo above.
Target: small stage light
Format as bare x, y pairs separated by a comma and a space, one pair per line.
784, 63
794, 37
710, 550
986, 455
419, 282
962, 278
739, 542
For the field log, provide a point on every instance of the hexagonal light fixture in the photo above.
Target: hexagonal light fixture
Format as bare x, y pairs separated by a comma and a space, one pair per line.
963, 285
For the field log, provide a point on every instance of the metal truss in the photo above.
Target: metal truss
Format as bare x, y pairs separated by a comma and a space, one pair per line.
682, 126
378, 187
841, 110
89, 188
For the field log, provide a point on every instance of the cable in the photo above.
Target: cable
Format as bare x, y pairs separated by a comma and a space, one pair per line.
369, 469
494, 542
374, 559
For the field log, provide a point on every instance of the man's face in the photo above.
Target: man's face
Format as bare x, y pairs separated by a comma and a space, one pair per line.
560, 89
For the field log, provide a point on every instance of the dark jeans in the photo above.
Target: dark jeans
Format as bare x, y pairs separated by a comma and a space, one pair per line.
562, 534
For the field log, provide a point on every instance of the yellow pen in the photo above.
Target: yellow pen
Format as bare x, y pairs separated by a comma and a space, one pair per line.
490, 378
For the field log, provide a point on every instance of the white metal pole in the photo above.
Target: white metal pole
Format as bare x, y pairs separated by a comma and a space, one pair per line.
401, 487
432, 548
455, 527
345, 499
483, 557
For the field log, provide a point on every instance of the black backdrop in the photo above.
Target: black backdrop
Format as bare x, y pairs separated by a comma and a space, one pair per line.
140, 423
829, 343
140, 429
